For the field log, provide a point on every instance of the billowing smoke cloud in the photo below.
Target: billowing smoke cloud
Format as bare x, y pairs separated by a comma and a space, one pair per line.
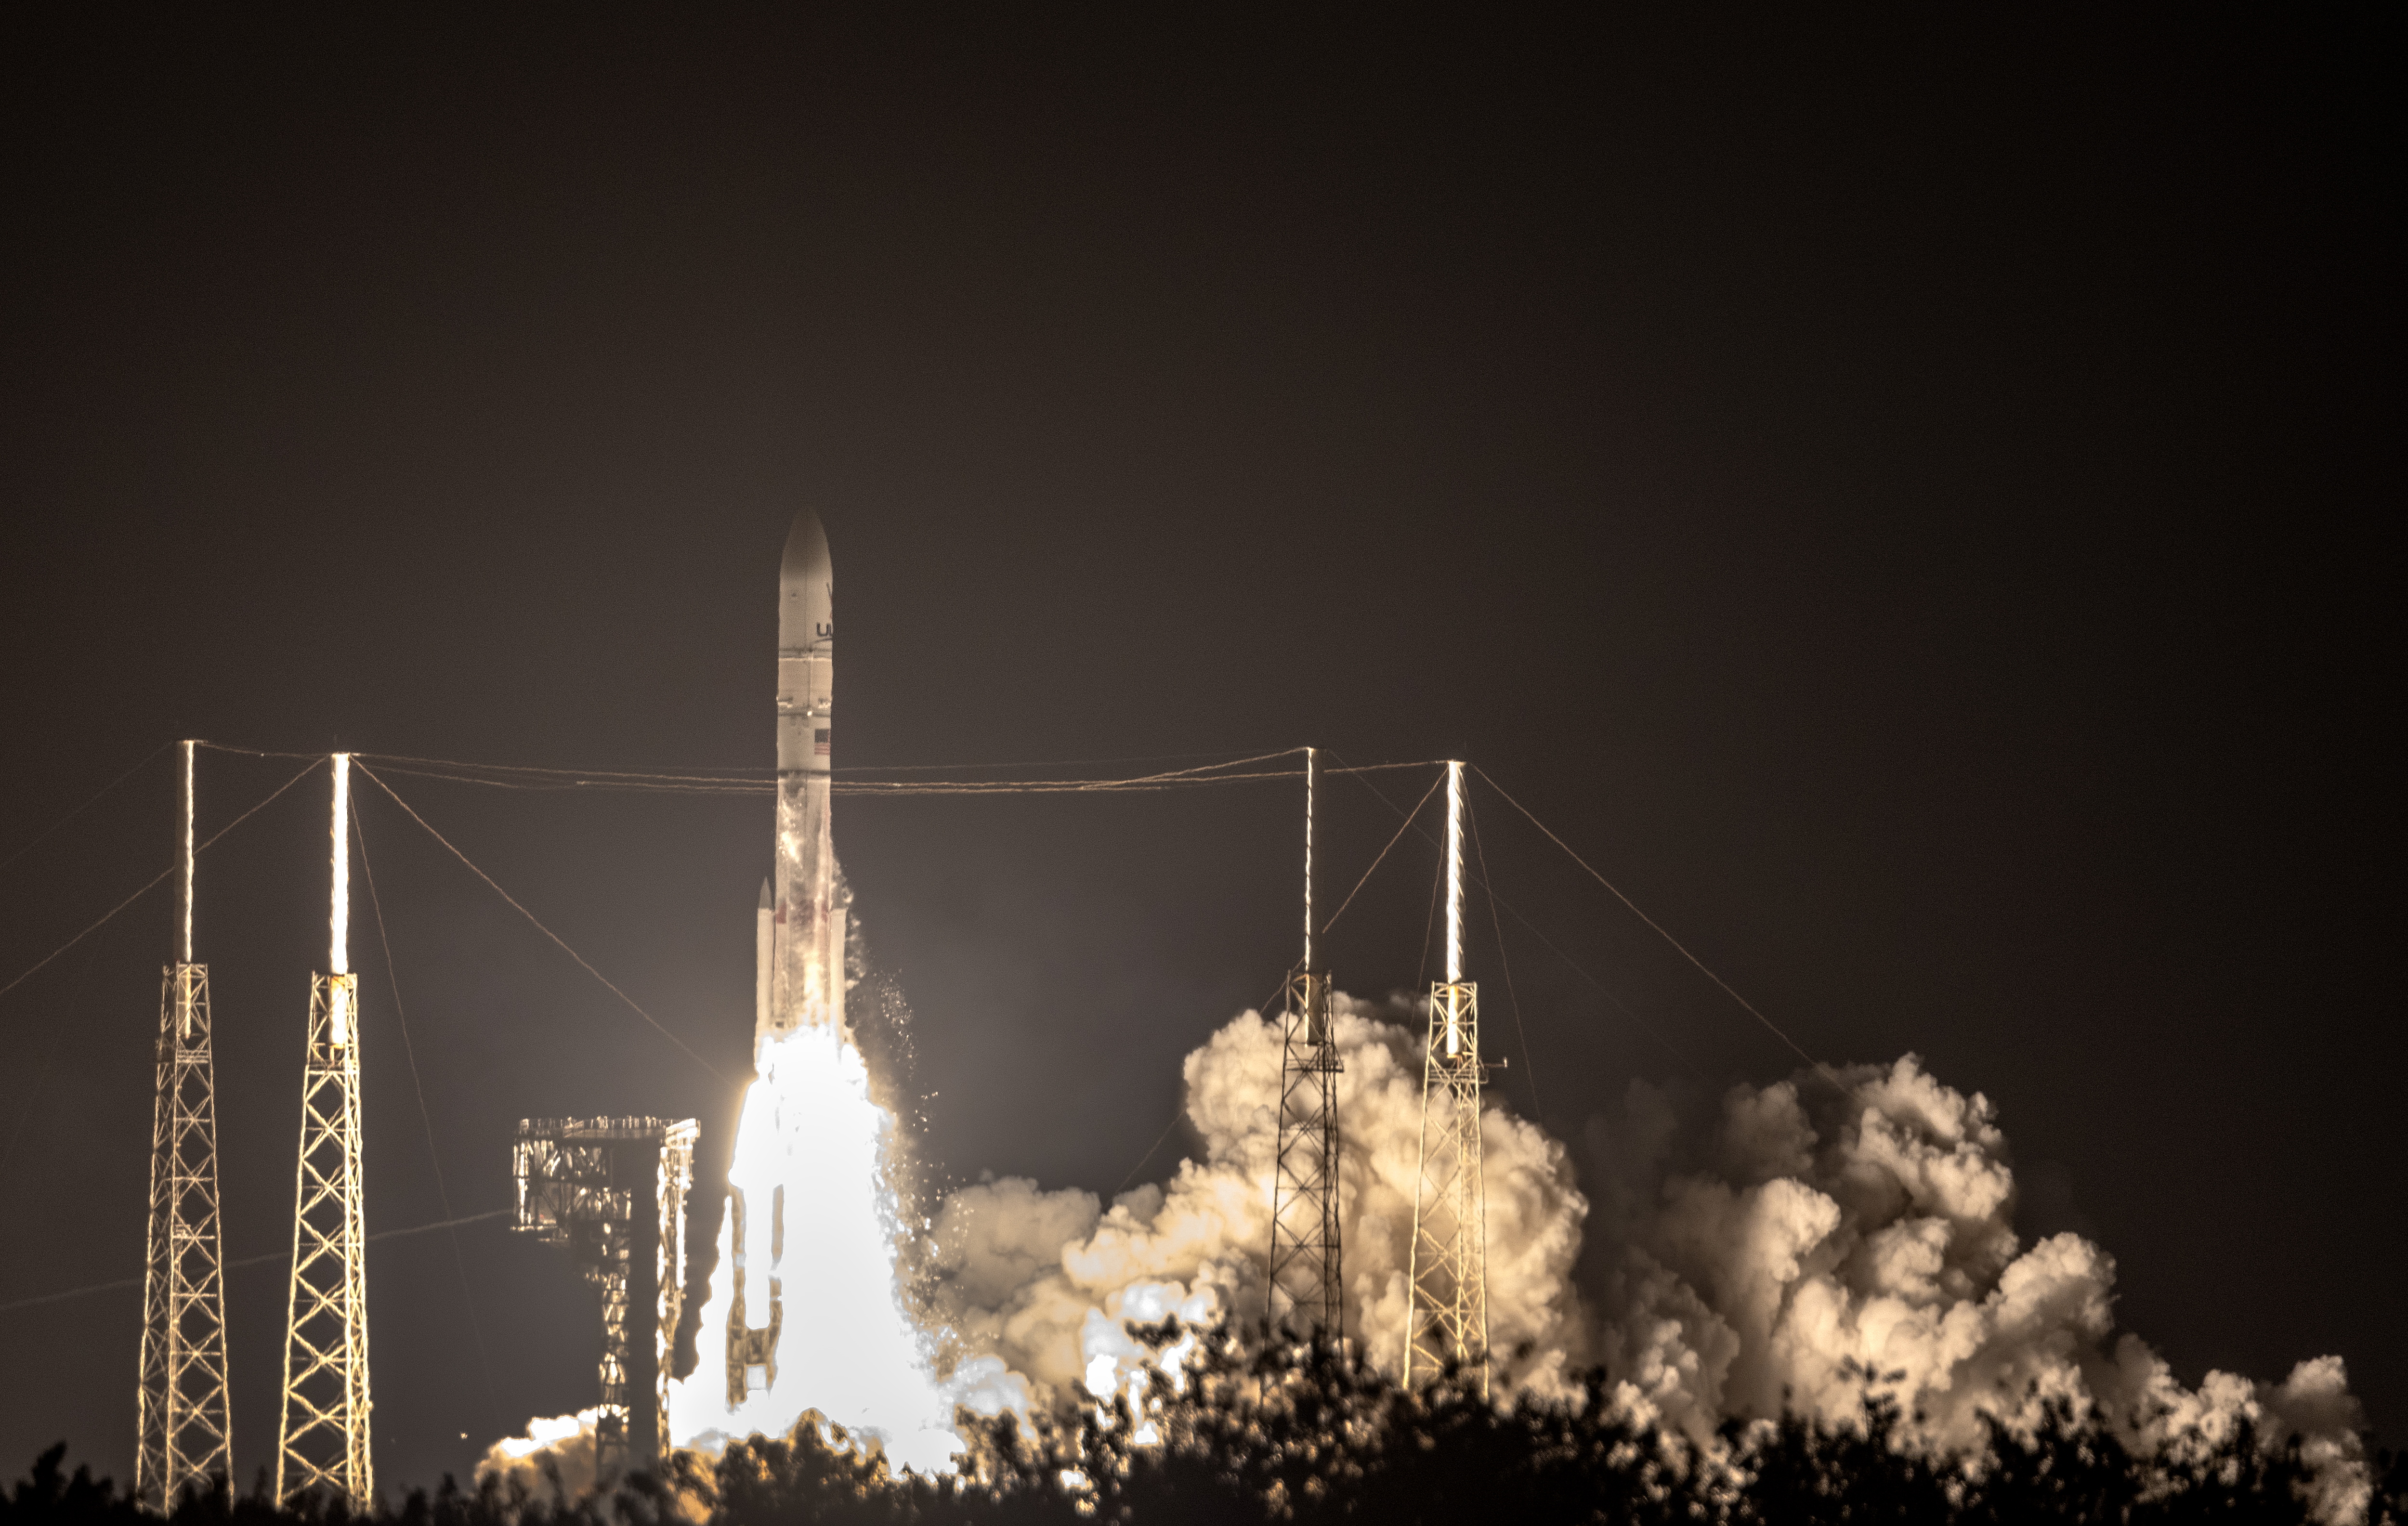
1802, 1236
1045, 1279
1860, 1221
554, 1460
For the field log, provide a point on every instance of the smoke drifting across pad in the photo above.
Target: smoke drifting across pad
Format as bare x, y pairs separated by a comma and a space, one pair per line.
1042, 1278
1772, 1250
1801, 1235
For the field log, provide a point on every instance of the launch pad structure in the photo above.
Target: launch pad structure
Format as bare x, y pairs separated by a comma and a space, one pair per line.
185, 1436
1308, 1285
614, 1191
322, 1443
1446, 1320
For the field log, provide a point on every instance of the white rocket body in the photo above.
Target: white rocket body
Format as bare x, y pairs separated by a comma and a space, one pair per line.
802, 983
797, 934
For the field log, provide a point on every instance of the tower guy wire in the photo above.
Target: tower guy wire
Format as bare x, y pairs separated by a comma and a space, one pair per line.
90, 1288
39, 837
426, 1120
1512, 1002
49, 1051
1401, 828
546, 932
1671, 1049
155, 881
1678, 947
186, 1434
1446, 1317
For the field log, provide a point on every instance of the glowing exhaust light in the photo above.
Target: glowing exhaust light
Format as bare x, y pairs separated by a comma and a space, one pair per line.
186, 956
1453, 895
339, 930
338, 922
812, 1158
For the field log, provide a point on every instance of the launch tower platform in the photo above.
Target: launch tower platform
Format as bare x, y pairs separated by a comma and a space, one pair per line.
614, 1191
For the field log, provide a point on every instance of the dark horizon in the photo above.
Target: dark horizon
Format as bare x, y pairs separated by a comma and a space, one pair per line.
1892, 491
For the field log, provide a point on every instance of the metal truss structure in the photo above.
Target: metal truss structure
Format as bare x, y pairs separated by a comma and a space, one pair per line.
614, 1191
185, 1436
322, 1443
1308, 1289
321, 1436
1446, 1321
1307, 1282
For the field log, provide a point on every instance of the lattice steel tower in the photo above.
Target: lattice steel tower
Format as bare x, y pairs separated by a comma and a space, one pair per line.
1308, 1287
614, 1191
186, 1440
322, 1442
1447, 1320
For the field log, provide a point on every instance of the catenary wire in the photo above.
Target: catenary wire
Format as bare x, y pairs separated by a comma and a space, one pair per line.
545, 931
533, 777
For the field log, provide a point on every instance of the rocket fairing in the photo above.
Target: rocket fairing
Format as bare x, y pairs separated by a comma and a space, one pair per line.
803, 982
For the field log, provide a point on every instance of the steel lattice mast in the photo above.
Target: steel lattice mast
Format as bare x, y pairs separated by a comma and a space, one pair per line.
1308, 1285
1447, 1320
185, 1435
322, 1441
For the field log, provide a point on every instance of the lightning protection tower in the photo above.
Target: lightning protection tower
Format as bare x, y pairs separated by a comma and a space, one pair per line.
1308, 1285
186, 1441
322, 1443
1447, 1320
614, 1191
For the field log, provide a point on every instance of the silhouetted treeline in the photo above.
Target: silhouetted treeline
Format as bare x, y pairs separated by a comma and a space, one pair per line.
1289, 1433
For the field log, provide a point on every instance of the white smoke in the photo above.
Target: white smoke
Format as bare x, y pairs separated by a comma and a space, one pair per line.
1046, 1280
1812, 1232
1861, 1220
555, 1454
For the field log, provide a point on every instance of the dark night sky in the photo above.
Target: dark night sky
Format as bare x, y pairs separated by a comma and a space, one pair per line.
1900, 491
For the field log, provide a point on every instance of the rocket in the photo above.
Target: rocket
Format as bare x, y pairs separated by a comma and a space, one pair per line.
799, 932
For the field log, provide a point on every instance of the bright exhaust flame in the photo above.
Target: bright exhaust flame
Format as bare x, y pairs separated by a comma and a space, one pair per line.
812, 1151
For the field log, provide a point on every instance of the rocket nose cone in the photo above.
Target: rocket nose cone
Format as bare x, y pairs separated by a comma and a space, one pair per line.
807, 550
766, 904
806, 587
